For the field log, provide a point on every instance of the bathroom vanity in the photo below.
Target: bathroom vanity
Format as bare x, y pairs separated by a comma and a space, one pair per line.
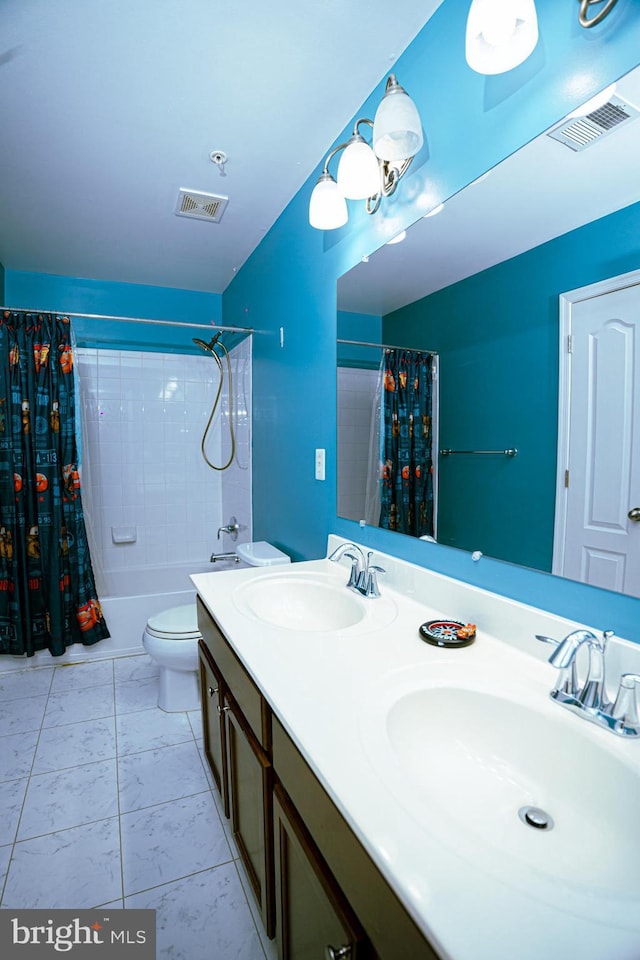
374, 782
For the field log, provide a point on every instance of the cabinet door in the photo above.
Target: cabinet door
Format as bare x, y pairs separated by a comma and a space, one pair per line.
215, 748
250, 786
313, 919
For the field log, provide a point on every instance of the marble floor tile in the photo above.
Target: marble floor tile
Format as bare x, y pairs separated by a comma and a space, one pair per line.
11, 799
73, 743
135, 668
195, 719
74, 868
75, 676
20, 716
5, 857
204, 915
75, 705
25, 683
136, 695
155, 776
16, 754
171, 840
68, 798
148, 729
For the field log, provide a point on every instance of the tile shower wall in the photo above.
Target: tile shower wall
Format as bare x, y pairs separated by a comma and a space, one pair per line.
144, 415
356, 397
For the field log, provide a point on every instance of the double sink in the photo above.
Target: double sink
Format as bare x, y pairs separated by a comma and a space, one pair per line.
474, 752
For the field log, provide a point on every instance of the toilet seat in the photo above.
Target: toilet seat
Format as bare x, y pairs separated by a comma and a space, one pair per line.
178, 623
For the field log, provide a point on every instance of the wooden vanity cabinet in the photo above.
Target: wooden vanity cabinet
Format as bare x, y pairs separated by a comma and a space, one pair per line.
318, 890
313, 918
237, 737
212, 698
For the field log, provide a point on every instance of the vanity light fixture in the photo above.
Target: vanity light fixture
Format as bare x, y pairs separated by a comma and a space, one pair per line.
369, 171
399, 237
501, 34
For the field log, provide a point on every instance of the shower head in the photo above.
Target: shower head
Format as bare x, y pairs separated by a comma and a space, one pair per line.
207, 346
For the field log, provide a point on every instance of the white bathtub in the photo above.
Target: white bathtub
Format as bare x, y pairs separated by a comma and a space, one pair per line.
128, 599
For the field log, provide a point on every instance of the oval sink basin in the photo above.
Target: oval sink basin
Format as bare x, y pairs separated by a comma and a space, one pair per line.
301, 603
468, 763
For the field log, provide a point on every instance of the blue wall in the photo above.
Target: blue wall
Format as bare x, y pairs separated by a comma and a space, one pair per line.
497, 336
471, 123
42, 291
358, 326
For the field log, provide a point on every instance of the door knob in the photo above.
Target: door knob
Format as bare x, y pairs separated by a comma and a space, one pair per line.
634, 514
338, 953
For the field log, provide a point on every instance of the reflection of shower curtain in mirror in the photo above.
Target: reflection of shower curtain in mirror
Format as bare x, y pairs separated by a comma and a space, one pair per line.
403, 486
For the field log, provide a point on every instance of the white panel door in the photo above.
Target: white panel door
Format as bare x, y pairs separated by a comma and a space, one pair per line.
602, 518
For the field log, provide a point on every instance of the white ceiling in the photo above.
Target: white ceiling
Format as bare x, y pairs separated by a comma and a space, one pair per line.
541, 192
108, 108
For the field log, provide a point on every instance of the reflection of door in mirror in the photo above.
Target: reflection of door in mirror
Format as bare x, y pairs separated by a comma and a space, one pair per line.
387, 437
596, 539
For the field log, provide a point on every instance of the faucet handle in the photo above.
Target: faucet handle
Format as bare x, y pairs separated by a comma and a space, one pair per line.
567, 682
544, 639
625, 707
356, 572
371, 586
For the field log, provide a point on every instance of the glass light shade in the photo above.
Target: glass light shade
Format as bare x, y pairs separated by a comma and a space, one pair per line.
500, 34
358, 171
397, 131
327, 206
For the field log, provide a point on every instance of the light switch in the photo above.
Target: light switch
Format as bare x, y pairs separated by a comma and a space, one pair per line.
320, 463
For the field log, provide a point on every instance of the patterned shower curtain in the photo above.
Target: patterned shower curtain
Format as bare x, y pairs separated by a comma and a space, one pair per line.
48, 598
405, 442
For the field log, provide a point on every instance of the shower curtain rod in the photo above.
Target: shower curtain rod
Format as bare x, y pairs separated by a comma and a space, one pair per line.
108, 316
385, 346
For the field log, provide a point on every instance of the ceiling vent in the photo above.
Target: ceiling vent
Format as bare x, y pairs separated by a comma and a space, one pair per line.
200, 206
581, 132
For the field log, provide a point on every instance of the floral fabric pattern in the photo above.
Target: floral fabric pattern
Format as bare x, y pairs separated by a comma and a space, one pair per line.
48, 598
405, 443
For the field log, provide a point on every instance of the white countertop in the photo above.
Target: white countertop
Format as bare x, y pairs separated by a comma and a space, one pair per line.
325, 689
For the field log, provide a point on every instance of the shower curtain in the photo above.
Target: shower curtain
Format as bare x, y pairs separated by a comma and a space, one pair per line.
406, 465
48, 598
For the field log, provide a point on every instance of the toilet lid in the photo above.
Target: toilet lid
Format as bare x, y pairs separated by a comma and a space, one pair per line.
182, 621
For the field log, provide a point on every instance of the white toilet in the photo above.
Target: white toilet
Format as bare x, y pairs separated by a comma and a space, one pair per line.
171, 637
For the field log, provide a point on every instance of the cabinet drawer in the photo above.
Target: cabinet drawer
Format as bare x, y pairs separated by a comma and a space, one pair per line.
245, 692
391, 930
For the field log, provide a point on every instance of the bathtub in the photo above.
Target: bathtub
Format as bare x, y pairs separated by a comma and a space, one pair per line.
128, 599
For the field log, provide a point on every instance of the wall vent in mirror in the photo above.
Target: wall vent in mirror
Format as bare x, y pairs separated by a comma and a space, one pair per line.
581, 132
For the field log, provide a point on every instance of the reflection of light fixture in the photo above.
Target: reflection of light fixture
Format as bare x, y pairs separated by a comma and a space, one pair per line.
500, 34
434, 211
399, 237
369, 171
597, 17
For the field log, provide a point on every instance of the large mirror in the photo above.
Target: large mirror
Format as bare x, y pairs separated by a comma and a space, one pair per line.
480, 284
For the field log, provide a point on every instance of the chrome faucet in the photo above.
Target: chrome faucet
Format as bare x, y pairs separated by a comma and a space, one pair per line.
363, 577
590, 700
231, 528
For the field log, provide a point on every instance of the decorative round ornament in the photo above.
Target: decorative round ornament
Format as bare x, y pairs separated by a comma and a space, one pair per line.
448, 633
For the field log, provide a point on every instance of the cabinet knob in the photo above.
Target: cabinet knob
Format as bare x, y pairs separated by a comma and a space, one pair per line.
212, 691
338, 953
224, 709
